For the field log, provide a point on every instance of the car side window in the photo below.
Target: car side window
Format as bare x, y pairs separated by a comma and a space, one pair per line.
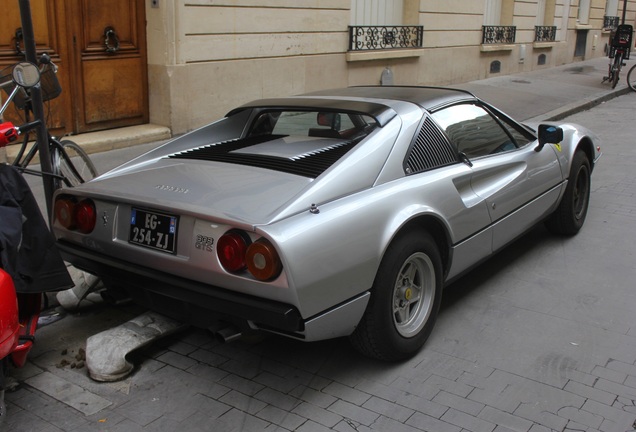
473, 130
521, 138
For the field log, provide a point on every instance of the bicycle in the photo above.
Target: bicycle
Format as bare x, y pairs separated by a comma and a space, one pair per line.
631, 78
70, 163
621, 41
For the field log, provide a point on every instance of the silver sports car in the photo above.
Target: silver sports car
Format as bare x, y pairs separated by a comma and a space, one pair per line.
330, 214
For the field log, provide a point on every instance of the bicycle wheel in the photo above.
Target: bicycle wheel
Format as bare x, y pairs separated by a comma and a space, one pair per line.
616, 69
631, 78
58, 181
74, 164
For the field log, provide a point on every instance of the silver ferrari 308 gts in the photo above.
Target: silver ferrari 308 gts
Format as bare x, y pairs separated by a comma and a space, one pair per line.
335, 213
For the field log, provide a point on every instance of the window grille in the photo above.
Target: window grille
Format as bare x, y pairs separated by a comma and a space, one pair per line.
498, 34
385, 37
610, 22
545, 33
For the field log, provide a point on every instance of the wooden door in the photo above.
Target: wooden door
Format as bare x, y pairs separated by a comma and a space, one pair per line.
101, 88
108, 54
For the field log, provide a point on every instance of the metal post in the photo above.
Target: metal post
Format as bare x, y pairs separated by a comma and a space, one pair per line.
37, 105
624, 11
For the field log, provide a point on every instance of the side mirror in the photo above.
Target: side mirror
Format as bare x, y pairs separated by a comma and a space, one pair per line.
26, 74
549, 134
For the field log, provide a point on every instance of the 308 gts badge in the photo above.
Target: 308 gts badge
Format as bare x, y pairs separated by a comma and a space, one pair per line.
204, 243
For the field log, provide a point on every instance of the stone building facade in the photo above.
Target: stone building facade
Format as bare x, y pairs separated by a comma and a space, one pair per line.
207, 56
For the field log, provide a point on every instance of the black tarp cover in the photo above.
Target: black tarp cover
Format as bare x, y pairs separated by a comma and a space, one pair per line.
27, 248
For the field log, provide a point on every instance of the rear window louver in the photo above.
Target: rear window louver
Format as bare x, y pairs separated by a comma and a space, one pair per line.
307, 165
429, 150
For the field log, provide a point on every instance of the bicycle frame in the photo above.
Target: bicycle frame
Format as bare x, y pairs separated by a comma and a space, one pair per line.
9, 132
620, 47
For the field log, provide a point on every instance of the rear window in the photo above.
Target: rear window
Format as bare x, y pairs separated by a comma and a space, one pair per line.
312, 123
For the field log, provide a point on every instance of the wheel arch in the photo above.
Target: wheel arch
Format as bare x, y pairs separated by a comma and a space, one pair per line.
378, 334
587, 146
436, 228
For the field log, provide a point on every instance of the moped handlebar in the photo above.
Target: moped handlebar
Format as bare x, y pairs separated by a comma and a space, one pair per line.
9, 132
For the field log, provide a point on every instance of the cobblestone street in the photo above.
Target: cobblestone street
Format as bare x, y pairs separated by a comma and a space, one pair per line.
540, 338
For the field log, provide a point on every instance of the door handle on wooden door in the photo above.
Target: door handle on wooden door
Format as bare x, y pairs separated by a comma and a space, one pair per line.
111, 41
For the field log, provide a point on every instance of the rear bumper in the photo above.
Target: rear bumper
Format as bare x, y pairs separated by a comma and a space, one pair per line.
183, 299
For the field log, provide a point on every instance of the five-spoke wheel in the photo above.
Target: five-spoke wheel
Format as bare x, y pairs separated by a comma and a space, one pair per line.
405, 299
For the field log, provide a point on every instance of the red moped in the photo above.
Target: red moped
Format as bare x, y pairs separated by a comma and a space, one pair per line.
19, 315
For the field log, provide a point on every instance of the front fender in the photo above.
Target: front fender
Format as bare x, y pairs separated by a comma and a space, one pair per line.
576, 137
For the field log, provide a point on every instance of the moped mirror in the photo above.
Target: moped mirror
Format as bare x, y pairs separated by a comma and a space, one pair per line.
26, 74
549, 134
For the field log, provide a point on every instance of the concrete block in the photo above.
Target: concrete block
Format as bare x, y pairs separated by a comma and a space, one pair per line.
106, 351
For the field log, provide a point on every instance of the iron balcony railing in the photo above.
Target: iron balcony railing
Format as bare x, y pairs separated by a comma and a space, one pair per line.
385, 37
545, 33
498, 34
610, 22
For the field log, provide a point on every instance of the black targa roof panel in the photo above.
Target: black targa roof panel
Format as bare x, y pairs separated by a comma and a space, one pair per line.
380, 112
428, 98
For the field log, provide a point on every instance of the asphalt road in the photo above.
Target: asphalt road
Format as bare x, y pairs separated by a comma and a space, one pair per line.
542, 337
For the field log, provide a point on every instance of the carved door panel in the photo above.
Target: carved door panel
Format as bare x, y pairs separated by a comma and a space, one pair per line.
108, 51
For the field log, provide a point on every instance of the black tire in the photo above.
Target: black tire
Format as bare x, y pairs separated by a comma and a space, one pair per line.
405, 300
616, 69
570, 215
78, 168
631, 78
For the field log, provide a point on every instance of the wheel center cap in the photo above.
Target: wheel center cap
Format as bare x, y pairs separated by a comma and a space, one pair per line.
407, 293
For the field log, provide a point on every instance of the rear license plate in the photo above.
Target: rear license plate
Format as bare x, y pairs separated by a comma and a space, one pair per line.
153, 230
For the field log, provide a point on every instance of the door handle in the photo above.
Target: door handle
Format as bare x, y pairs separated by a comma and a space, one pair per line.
111, 41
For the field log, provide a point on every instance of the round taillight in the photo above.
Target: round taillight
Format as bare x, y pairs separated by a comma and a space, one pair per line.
231, 249
263, 261
64, 211
85, 216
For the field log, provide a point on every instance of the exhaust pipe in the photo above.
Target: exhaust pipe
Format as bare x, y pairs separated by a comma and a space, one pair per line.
228, 334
